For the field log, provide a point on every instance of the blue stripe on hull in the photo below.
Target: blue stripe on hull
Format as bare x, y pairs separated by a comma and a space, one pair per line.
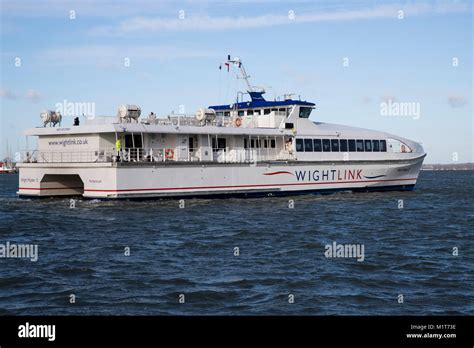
247, 194
272, 193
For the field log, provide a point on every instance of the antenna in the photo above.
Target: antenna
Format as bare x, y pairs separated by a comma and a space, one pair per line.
238, 62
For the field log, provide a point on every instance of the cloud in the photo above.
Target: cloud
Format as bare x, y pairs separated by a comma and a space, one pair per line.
457, 101
33, 96
144, 25
7, 94
114, 56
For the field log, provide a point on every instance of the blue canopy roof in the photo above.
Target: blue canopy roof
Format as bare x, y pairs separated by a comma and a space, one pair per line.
258, 101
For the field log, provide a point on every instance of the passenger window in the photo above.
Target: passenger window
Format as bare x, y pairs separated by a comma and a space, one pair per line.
368, 145
246, 143
326, 145
265, 143
252, 143
305, 111
360, 145
335, 145
343, 145
227, 113
317, 145
299, 145
352, 145
308, 145
383, 146
375, 145
272, 143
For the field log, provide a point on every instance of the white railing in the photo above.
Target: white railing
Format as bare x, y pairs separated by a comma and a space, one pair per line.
143, 155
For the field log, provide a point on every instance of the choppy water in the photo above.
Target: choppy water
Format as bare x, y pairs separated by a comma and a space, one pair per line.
191, 251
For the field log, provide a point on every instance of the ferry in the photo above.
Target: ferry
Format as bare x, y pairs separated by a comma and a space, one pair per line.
7, 168
251, 147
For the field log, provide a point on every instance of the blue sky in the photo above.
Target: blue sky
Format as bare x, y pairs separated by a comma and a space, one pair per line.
299, 47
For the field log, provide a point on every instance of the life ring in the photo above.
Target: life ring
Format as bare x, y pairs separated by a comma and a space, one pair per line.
169, 153
238, 122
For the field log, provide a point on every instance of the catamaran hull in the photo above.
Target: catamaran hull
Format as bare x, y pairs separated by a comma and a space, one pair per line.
112, 181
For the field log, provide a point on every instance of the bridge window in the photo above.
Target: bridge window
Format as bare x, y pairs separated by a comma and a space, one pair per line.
360, 145
266, 111
326, 145
383, 146
343, 145
352, 145
256, 112
334, 145
308, 145
375, 145
305, 111
317, 145
241, 113
249, 112
368, 145
226, 113
299, 145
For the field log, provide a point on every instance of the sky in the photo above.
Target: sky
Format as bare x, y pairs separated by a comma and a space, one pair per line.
351, 58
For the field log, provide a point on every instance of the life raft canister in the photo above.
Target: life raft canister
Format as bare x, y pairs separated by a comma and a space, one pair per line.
169, 153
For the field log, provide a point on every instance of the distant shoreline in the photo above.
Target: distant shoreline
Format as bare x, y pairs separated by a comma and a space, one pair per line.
453, 166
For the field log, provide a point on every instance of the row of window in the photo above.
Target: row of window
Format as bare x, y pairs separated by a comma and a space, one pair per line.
305, 112
251, 112
259, 143
340, 145
254, 143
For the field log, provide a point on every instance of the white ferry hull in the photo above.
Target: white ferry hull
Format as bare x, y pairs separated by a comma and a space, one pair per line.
111, 181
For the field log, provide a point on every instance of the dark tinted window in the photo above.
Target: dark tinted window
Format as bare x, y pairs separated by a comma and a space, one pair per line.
343, 145
352, 145
317, 145
266, 111
252, 143
299, 145
305, 111
272, 143
335, 145
246, 143
360, 145
368, 145
308, 145
383, 146
326, 145
265, 143
375, 145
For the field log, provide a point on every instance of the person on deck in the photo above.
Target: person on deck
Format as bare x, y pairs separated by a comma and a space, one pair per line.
118, 148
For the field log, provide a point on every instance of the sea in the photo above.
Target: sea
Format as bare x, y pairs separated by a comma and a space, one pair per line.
390, 253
